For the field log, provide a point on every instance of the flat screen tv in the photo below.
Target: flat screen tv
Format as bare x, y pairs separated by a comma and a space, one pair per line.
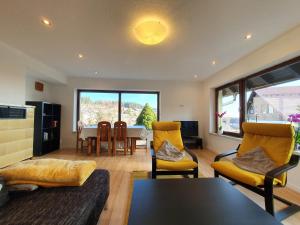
189, 128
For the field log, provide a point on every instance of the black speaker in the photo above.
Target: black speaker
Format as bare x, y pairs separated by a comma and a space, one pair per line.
3, 192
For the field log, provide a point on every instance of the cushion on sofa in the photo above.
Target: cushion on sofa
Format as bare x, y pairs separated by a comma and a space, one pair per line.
49, 172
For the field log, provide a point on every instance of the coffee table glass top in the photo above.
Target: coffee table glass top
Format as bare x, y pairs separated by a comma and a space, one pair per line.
204, 201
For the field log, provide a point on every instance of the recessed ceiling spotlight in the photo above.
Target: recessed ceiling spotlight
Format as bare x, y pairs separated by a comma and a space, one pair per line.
96, 73
47, 22
214, 62
248, 36
195, 76
80, 56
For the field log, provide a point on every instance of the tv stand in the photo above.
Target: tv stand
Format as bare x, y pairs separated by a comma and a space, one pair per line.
192, 142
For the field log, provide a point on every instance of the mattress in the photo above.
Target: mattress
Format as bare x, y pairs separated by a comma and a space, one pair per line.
61, 206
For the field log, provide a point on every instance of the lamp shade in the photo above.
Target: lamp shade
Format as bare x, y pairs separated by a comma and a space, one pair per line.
150, 32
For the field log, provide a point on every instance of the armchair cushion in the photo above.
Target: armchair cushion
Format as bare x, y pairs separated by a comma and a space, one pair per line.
276, 139
184, 164
170, 131
229, 169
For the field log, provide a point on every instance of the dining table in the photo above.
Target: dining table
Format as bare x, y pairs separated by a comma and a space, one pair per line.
134, 133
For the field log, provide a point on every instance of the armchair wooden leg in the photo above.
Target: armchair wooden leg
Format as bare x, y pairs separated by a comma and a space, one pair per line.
153, 168
216, 173
153, 174
269, 200
196, 173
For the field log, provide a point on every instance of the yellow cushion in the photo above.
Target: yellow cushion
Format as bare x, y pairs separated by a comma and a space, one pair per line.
229, 169
167, 131
276, 139
49, 172
184, 164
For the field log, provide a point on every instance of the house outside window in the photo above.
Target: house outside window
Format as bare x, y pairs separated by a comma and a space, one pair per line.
269, 96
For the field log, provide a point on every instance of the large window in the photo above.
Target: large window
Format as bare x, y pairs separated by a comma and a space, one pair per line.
269, 96
135, 108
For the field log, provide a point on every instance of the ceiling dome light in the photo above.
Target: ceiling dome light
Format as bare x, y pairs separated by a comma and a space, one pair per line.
248, 36
150, 32
46, 22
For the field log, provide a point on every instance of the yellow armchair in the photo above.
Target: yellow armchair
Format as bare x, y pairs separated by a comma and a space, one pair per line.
278, 142
171, 131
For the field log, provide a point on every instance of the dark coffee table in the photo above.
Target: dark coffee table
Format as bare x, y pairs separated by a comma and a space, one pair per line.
205, 201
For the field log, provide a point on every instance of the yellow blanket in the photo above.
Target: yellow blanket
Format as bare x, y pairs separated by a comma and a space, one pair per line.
49, 172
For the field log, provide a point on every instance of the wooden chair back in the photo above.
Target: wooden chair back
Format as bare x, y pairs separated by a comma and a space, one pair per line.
104, 131
103, 135
120, 131
120, 135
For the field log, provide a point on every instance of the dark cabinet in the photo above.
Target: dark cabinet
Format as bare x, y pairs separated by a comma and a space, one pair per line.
47, 120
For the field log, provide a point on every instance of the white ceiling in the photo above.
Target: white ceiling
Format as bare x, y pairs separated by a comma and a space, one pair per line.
201, 31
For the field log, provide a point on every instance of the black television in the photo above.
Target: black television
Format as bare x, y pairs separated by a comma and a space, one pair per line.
189, 128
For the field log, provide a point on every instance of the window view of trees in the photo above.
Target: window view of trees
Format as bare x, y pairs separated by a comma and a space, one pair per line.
146, 117
139, 108
135, 108
95, 107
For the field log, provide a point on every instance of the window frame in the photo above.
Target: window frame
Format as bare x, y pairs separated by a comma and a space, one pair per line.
119, 92
242, 89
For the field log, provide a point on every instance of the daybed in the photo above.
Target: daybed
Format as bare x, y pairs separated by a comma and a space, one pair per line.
59, 205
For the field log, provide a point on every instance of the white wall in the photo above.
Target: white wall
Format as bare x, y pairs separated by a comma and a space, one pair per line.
15, 66
179, 100
33, 95
12, 80
281, 49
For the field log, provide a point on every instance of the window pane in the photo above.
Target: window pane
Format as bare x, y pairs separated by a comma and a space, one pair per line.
97, 106
229, 102
139, 108
271, 97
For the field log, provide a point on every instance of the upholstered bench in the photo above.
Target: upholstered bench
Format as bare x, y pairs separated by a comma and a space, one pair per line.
61, 205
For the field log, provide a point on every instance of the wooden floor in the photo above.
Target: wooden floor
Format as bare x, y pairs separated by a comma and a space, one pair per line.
121, 166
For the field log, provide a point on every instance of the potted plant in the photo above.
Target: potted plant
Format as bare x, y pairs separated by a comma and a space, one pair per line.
295, 120
220, 116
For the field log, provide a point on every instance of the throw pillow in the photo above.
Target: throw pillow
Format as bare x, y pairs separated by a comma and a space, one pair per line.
169, 152
256, 161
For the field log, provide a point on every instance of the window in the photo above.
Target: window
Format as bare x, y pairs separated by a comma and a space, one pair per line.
132, 105
272, 96
268, 96
229, 104
135, 108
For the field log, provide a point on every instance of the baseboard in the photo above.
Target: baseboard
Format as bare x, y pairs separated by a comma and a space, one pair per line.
293, 187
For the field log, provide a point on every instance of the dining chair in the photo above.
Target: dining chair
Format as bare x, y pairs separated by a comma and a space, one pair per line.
79, 140
103, 135
120, 136
87, 143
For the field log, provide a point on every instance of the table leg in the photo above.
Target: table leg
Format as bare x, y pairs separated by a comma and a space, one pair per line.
131, 146
89, 145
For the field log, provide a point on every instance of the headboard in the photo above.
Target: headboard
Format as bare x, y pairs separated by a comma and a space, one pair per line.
16, 135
